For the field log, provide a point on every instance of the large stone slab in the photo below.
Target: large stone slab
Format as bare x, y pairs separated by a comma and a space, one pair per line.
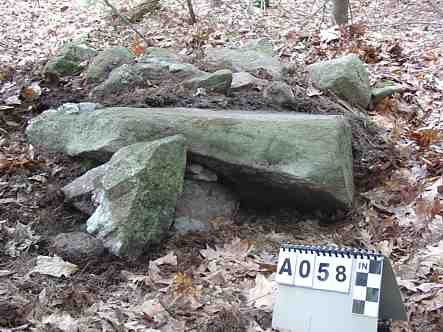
138, 195
298, 160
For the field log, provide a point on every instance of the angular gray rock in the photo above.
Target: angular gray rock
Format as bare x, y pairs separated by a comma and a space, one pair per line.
68, 60
279, 93
127, 77
378, 94
202, 202
219, 81
253, 58
82, 191
106, 61
77, 247
139, 192
347, 77
244, 80
300, 160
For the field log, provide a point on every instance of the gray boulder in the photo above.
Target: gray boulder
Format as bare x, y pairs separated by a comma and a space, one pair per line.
69, 59
77, 247
379, 93
202, 202
347, 77
139, 192
106, 61
127, 77
300, 160
279, 93
244, 81
219, 81
254, 58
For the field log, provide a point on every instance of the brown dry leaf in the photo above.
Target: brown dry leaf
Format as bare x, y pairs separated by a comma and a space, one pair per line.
422, 209
425, 137
136, 48
183, 284
170, 259
437, 207
8, 165
262, 294
386, 105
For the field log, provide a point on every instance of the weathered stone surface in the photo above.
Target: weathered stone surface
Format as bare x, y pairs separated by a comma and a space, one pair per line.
139, 192
244, 80
80, 192
127, 77
279, 93
300, 160
219, 81
105, 62
77, 247
378, 94
69, 59
253, 58
199, 172
202, 202
346, 76
159, 53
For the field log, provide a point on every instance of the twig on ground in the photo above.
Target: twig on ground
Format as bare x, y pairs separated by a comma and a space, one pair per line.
128, 23
405, 23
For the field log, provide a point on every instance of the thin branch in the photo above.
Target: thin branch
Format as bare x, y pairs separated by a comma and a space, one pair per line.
191, 12
128, 23
405, 23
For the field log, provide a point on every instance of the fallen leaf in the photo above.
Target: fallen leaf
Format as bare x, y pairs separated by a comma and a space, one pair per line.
170, 259
262, 295
54, 266
63, 322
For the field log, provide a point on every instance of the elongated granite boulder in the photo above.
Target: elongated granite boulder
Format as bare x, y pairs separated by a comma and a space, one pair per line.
285, 159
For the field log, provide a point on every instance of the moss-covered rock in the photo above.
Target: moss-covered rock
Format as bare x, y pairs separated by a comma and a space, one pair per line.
68, 60
106, 61
346, 76
298, 160
219, 81
139, 193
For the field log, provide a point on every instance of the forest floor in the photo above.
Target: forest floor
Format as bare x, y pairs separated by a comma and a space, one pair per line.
171, 289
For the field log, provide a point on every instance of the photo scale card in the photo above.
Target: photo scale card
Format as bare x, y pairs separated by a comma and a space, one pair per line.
367, 286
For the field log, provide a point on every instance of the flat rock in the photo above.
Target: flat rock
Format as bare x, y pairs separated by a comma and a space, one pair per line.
286, 159
346, 76
202, 202
138, 195
106, 61
77, 247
